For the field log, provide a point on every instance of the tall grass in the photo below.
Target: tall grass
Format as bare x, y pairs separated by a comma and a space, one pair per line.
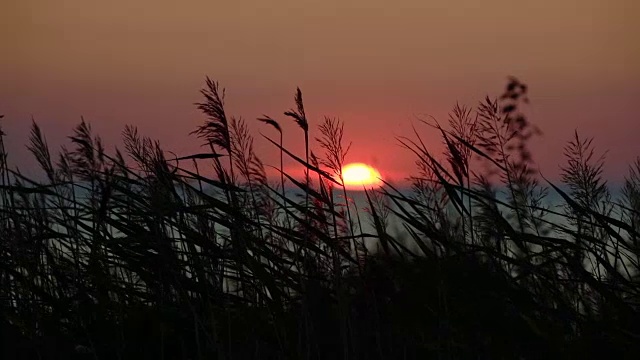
147, 254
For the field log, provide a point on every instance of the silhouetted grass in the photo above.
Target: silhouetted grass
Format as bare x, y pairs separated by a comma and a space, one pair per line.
145, 255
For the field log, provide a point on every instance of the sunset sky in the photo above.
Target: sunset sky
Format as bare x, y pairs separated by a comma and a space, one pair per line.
376, 65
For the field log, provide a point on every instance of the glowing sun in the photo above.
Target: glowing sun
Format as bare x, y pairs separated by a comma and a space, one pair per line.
357, 175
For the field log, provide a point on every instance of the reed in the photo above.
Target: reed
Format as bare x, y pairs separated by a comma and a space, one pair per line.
148, 254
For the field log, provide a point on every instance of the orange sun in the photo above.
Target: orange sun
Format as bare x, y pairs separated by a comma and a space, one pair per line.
357, 175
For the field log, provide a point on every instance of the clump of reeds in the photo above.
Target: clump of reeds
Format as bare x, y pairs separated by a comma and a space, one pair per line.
147, 254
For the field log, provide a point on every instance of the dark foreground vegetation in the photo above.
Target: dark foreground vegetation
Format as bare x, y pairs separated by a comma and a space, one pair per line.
148, 254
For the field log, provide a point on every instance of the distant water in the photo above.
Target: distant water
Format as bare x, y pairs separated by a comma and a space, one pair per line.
359, 206
553, 201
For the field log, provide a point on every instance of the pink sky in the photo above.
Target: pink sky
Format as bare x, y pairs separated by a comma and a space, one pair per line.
374, 64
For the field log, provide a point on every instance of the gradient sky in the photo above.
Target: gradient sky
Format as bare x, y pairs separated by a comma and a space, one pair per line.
375, 64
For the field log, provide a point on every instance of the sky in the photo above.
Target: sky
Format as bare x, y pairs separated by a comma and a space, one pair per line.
376, 65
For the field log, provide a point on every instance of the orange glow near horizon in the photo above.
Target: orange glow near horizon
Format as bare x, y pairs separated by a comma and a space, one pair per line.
359, 175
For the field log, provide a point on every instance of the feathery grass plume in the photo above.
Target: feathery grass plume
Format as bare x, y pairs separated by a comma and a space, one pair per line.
503, 136
135, 146
331, 141
463, 127
83, 158
242, 150
496, 138
40, 150
332, 131
254, 201
216, 129
527, 187
459, 141
583, 175
248, 164
298, 114
216, 132
270, 121
300, 117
